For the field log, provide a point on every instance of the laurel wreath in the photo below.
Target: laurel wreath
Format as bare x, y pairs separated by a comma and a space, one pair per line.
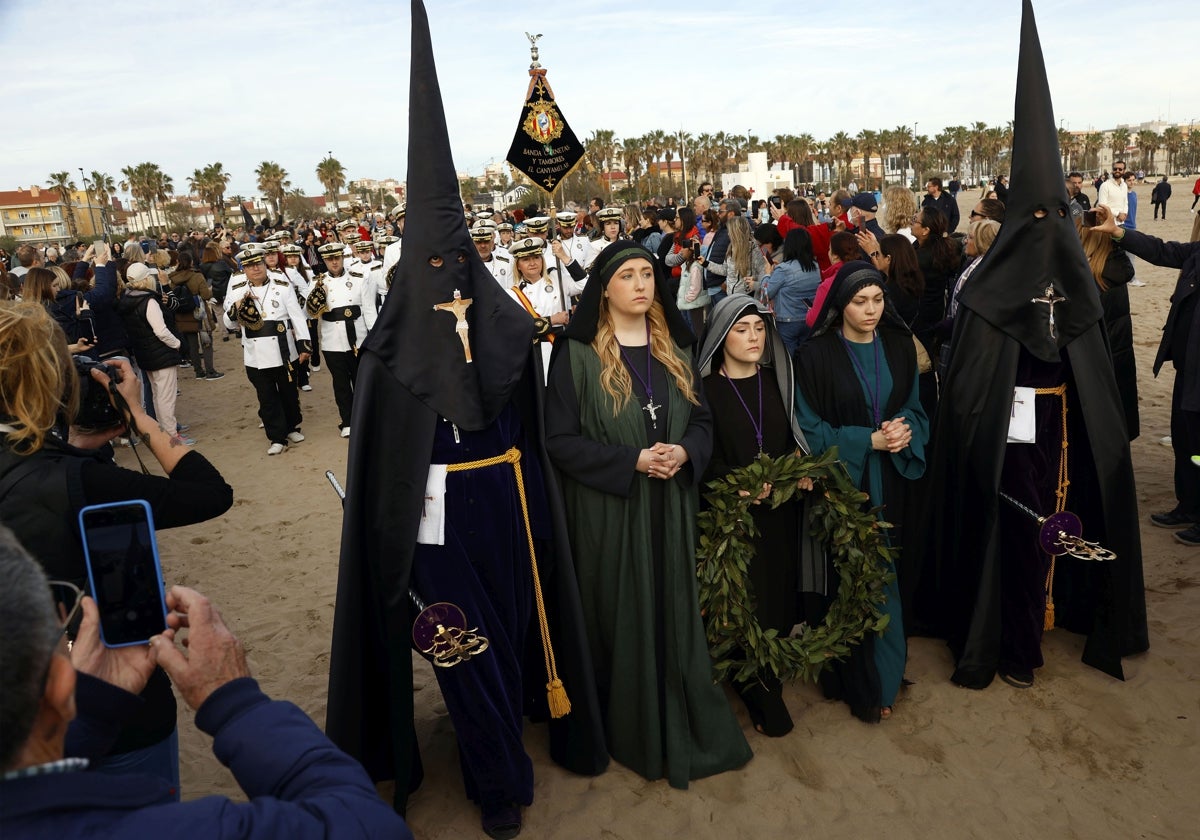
852, 533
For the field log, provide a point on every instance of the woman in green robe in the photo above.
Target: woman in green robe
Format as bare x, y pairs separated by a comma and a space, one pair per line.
627, 426
857, 389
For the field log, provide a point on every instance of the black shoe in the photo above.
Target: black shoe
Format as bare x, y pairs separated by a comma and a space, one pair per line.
214, 374
1018, 679
1171, 519
503, 822
1188, 536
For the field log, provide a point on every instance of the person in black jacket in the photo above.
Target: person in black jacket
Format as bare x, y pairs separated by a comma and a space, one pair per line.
47, 477
154, 346
718, 249
1159, 196
934, 197
1181, 335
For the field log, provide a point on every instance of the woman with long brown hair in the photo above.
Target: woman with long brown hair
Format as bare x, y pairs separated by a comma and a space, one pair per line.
628, 427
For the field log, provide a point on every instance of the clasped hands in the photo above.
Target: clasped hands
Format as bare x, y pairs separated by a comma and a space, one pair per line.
892, 435
662, 460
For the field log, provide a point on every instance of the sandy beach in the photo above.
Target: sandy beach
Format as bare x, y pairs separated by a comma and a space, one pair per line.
1080, 755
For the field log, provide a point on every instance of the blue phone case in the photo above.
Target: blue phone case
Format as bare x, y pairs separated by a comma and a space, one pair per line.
149, 516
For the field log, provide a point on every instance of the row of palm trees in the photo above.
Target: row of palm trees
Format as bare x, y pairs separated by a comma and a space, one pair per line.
971, 152
1082, 151
152, 188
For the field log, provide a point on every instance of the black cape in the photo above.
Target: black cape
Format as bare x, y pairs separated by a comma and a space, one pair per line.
998, 326
412, 370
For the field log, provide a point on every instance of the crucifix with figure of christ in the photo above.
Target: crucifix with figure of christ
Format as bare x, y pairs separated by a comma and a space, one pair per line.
1050, 299
458, 307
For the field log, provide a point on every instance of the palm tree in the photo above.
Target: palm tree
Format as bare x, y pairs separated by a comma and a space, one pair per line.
922, 152
902, 143
273, 183
1172, 141
61, 183
635, 157
1118, 141
1148, 143
868, 141
332, 176
687, 151
1093, 142
842, 147
209, 184
103, 188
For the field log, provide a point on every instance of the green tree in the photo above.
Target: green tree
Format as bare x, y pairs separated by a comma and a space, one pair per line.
1148, 144
273, 183
61, 183
102, 189
332, 176
1172, 142
1118, 141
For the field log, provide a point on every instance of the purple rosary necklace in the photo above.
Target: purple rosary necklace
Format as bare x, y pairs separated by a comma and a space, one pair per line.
758, 425
650, 408
876, 416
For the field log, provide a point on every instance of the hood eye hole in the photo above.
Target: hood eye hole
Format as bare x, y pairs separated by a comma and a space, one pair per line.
462, 258
1039, 213
436, 261
1062, 212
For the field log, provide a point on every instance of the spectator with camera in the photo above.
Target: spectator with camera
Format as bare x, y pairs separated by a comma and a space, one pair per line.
52, 465
59, 706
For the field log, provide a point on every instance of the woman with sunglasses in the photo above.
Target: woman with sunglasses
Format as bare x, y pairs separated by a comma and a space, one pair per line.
51, 466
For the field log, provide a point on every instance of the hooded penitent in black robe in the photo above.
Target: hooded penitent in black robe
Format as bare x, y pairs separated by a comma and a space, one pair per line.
419, 401
836, 383
981, 588
634, 540
786, 558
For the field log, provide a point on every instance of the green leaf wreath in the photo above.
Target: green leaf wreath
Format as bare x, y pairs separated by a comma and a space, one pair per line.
862, 558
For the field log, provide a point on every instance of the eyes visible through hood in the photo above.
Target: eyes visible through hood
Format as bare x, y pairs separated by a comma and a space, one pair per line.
1042, 212
437, 262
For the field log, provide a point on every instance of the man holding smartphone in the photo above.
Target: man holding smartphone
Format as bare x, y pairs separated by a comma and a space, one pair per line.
60, 707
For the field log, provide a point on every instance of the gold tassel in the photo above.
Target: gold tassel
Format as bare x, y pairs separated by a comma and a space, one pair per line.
560, 705
1048, 621
556, 693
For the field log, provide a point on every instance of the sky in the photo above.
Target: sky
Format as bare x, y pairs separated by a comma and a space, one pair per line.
184, 84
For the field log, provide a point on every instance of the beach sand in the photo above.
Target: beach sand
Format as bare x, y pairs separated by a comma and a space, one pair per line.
1080, 755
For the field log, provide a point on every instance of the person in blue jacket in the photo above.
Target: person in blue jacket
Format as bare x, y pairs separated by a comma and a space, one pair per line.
58, 707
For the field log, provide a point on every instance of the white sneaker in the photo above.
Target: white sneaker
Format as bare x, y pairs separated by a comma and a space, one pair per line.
1166, 441
275, 448
1136, 283
305, 387
345, 431
295, 437
315, 368
260, 425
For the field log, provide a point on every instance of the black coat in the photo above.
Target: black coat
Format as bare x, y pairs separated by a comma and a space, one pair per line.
1160, 193
1118, 322
149, 350
959, 593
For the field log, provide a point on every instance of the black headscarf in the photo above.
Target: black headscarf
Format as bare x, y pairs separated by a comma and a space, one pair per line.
587, 315
852, 278
418, 344
1032, 253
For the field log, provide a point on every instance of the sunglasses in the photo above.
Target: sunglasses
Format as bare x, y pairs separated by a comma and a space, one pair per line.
977, 215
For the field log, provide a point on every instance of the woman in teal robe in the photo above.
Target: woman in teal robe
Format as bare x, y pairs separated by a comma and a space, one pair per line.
857, 389
630, 471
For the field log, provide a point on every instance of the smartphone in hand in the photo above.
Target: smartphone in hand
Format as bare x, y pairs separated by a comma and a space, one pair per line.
124, 572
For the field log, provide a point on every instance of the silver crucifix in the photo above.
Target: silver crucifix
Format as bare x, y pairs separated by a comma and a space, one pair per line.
653, 410
1050, 298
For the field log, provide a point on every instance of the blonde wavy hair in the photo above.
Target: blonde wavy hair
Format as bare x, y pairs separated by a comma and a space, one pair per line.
899, 206
37, 376
614, 376
740, 243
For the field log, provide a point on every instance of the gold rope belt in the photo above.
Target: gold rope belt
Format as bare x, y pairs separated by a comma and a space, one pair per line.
1060, 494
556, 694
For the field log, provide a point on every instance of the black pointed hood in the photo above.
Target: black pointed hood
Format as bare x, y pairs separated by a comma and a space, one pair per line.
1031, 254
418, 343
